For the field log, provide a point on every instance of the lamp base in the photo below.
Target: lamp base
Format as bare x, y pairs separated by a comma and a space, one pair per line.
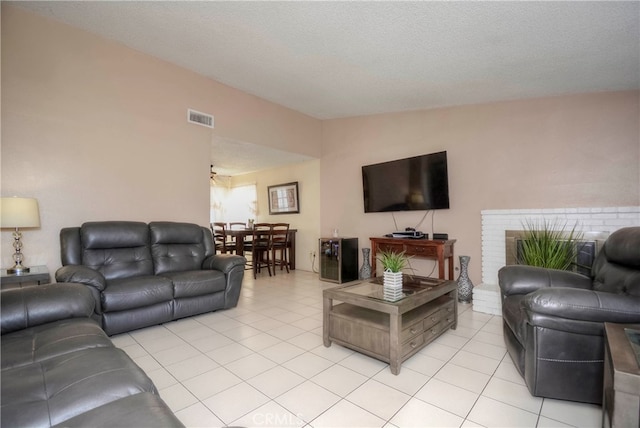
18, 270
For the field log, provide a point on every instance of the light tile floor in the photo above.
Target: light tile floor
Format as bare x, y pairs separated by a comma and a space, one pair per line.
263, 364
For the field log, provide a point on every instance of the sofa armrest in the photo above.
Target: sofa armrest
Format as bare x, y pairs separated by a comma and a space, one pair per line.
81, 274
223, 262
583, 305
521, 279
30, 306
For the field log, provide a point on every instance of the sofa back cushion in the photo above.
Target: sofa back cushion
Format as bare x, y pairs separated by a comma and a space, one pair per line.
617, 267
117, 249
178, 246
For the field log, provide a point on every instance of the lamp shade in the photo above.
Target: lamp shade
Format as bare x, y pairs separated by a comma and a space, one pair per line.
19, 212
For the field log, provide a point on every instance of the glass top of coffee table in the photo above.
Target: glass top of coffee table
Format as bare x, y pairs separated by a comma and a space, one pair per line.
411, 285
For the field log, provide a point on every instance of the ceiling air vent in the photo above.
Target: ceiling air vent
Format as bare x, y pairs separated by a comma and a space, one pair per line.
199, 118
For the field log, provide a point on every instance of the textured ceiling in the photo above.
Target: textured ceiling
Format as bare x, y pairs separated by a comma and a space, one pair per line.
340, 59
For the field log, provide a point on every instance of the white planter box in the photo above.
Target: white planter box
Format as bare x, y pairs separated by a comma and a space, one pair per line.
392, 279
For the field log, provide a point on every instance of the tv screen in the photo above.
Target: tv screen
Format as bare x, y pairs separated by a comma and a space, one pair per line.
416, 183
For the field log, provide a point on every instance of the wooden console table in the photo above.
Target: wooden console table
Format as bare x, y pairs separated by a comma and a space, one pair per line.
424, 248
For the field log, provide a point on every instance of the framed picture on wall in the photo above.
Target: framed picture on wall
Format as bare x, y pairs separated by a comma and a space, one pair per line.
283, 198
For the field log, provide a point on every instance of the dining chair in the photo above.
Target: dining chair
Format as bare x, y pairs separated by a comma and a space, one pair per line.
219, 230
261, 247
236, 225
280, 246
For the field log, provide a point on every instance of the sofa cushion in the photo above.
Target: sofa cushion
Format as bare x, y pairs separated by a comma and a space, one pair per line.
50, 340
196, 282
177, 246
52, 391
139, 410
130, 293
132, 319
117, 249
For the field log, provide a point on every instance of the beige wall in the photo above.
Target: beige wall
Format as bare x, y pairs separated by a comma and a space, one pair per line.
573, 151
97, 131
307, 222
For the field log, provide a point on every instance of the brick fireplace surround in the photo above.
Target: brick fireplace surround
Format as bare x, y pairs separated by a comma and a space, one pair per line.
486, 296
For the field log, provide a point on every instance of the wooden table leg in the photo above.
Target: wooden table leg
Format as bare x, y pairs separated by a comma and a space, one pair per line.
395, 352
454, 296
292, 250
240, 245
327, 304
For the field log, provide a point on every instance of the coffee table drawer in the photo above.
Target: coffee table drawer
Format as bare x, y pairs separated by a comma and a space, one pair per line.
411, 331
441, 314
435, 330
412, 345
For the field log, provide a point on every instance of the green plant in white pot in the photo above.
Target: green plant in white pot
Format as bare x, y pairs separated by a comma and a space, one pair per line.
393, 263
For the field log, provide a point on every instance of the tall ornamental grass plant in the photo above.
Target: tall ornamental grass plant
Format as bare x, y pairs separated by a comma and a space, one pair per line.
549, 244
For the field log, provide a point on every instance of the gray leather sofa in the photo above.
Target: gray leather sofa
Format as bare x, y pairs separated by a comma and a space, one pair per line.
554, 320
59, 368
145, 274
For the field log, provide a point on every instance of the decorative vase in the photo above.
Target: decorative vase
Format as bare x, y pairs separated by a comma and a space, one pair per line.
365, 269
465, 286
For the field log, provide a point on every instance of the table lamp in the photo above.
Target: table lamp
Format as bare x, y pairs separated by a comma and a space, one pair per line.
16, 213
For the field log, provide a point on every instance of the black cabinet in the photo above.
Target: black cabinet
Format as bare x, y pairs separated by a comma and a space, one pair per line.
338, 259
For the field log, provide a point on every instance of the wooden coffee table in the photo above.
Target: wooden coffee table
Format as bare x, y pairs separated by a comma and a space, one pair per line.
390, 331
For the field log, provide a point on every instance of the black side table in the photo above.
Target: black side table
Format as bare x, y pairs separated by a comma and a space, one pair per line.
621, 395
36, 275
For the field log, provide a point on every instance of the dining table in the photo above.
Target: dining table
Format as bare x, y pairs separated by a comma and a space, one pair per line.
239, 236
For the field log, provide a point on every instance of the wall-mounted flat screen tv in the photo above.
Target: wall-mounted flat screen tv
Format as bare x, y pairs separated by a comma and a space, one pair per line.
416, 183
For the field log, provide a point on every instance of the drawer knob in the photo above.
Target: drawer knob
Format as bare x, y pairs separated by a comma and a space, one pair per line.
434, 318
434, 331
413, 345
412, 330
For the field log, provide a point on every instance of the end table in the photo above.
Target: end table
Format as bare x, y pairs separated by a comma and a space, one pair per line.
621, 395
37, 274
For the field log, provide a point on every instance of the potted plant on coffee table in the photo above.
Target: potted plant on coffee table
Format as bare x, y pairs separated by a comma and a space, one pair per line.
393, 263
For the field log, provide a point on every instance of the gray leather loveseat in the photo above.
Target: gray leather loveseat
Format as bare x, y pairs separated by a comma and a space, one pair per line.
60, 369
145, 274
554, 320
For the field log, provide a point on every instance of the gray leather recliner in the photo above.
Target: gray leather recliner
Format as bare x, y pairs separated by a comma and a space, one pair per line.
554, 320
142, 275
